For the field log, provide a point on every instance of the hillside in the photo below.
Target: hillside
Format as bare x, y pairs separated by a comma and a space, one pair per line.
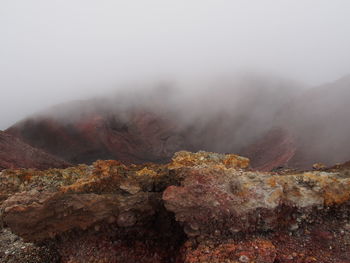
16, 154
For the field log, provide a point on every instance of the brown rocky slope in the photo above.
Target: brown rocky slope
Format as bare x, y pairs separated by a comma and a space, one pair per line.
14, 153
200, 207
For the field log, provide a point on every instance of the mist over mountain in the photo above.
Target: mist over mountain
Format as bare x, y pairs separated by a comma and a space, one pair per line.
187, 131
150, 125
320, 120
225, 116
54, 52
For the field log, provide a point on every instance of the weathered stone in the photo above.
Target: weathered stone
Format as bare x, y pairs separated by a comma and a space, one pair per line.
14, 250
126, 213
201, 158
224, 198
79, 199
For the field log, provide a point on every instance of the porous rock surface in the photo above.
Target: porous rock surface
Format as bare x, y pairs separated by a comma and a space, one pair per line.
200, 207
13, 250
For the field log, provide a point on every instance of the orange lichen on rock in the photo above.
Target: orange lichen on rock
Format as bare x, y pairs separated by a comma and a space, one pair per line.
333, 187
247, 201
103, 167
18, 180
103, 176
201, 158
337, 195
228, 213
235, 161
146, 171
319, 166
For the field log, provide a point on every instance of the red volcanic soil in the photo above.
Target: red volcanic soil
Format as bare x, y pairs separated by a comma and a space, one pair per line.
16, 154
141, 137
275, 149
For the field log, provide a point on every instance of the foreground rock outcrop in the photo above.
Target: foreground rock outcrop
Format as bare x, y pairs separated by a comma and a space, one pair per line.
200, 207
14, 153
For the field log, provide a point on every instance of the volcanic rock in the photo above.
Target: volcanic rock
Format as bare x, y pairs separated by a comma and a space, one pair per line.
14, 250
14, 153
219, 201
200, 207
78, 198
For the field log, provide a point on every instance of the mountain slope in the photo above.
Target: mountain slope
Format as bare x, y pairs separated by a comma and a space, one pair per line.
318, 123
16, 154
149, 126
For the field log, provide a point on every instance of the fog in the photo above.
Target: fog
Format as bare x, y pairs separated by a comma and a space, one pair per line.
57, 51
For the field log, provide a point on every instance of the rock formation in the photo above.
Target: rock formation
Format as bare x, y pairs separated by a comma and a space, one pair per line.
200, 207
14, 153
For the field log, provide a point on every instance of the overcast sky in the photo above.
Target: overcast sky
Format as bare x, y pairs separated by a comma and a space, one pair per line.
57, 50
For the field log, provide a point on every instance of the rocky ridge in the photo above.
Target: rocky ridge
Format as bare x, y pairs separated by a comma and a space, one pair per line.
200, 207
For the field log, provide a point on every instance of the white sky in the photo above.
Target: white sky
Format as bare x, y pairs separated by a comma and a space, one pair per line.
56, 50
